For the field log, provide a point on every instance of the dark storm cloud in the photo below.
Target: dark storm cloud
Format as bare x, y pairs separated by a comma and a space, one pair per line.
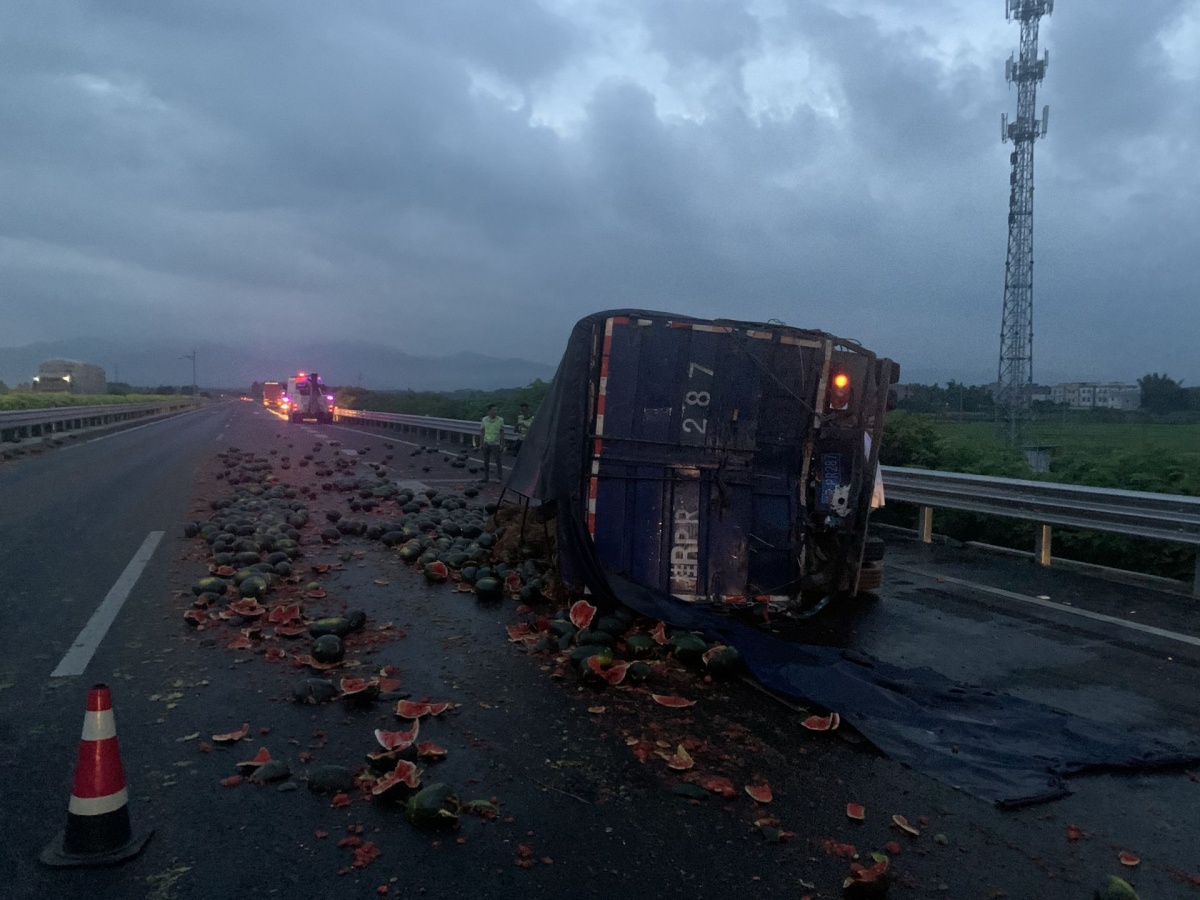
477, 175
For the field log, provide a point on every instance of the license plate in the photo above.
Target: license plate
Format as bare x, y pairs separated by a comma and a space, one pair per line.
831, 478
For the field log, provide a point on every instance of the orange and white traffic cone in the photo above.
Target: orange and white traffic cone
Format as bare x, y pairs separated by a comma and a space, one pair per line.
98, 832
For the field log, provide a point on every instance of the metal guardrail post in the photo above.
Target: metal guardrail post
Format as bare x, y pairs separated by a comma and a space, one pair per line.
925, 524
1043, 545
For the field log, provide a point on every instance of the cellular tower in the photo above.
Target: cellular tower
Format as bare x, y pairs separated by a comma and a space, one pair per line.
1015, 382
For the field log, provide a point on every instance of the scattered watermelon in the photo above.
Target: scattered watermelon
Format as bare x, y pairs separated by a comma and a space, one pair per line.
430, 750
614, 674
328, 648
688, 648
247, 608
211, 585
819, 723
260, 759
288, 612
721, 660
1117, 889
719, 784
902, 823
397, 740
867, 881
1128, 859
359, 689
582, 614
232, 736
403, 778
680, 760
672, 701
856, 811
760, 793
435, 806
639, 645
408, 709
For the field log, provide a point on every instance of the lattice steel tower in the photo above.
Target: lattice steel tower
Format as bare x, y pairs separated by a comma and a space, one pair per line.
1015, 382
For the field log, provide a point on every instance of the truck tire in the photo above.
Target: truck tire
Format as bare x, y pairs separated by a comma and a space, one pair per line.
870, 578
295, 418
873, 549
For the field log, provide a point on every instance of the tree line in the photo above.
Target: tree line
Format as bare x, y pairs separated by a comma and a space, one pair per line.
1160, 394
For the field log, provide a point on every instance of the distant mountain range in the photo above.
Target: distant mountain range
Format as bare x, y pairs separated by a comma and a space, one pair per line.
223, 366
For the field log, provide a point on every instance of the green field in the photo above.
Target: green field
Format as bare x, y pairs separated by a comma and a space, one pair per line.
1141, 457
1130, 455
24, 400
1079, 436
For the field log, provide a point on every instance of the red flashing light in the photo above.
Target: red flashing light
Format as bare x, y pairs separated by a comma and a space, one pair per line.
839, 391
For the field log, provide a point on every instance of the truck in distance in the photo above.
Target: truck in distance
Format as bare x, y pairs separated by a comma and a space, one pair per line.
308, 399
273, 393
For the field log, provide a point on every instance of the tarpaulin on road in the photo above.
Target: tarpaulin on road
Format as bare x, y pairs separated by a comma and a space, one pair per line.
993, 746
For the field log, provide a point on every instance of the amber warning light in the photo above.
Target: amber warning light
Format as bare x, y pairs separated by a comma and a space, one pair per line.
839, 391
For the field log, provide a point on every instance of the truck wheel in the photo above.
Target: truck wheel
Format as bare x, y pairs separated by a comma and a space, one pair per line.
295, 418
873, 549
870, 578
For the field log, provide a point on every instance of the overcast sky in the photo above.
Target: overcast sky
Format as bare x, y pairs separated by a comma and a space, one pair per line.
441, 175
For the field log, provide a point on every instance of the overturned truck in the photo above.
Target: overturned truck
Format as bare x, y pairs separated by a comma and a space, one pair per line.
712, 460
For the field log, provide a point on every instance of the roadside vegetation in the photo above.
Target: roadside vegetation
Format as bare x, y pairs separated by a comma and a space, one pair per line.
467, 404
29, 400
1135, 451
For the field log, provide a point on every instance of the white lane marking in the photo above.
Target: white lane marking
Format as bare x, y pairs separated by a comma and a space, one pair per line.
81, 652
1050, 604
412, 484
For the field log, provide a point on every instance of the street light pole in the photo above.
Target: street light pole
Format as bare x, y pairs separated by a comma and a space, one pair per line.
192, 357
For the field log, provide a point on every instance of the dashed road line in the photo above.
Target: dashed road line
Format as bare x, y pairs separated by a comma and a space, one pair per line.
81, 652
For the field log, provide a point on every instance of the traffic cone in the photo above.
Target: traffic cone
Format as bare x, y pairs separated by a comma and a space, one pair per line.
98, 832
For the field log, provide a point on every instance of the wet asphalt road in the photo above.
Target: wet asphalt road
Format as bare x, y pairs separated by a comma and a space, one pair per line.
567, 784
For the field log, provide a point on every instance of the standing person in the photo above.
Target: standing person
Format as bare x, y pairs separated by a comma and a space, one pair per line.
524, 420
491, 435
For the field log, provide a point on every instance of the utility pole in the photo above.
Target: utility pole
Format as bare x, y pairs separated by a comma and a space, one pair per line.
192, 357
1015, 379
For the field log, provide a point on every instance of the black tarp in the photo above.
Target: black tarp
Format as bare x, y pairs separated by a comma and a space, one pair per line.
993, 746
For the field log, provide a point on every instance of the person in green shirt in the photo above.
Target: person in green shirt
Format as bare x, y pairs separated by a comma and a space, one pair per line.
524, 420
491, 436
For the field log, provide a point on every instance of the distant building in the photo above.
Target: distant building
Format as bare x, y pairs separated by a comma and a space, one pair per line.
70, 377
1097, 395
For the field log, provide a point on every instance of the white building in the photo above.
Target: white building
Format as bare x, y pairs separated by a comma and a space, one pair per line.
70, 377
1097, 395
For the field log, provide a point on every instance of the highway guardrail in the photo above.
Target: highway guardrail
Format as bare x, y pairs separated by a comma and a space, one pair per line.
1165, 517
455, 430
20, 424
